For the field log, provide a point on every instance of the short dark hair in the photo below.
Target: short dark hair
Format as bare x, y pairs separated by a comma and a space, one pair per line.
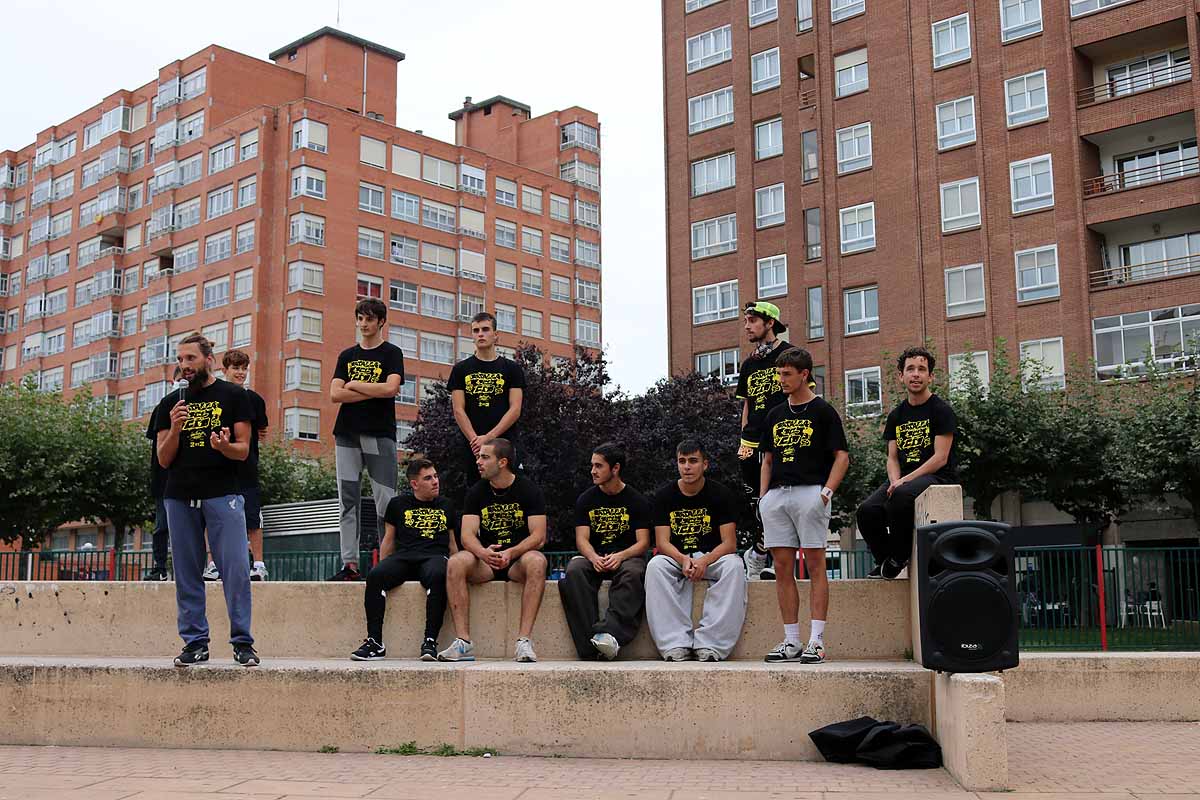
371, 307
689, 446
484, 316
417, 466
197, 339
915, 352
503, 448
796, 357
235, 358
612, 453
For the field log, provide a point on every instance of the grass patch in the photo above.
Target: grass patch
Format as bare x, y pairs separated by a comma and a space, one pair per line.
328, 748
443, 750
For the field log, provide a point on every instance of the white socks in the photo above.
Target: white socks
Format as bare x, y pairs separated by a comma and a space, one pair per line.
791, 633
818, 631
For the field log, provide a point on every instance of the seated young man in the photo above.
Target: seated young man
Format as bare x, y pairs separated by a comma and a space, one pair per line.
418, 539
503, 531
695, 531
612, 533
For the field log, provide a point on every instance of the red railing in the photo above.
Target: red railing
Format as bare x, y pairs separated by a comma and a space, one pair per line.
1136, 273
1143, 176
1132, 84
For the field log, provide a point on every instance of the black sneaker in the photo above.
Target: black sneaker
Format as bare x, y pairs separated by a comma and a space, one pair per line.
192, 654
346, 573
891, 568
876, 572
370, 650
429, 650
156, 574
244, 654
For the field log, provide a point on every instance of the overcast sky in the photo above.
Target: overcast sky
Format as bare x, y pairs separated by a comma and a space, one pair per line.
62, 57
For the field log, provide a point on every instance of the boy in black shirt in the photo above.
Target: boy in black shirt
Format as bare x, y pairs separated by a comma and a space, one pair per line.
805, 457
920, 436
365, 384
503, 531
203, 432
618, 518
694, 529
486, 391
418, 540
160, 541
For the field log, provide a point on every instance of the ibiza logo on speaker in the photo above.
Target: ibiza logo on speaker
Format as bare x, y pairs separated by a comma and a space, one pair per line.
972, 646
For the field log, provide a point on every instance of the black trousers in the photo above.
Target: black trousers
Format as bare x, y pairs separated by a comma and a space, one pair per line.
580, 592
886, 523
161, 538
395, 570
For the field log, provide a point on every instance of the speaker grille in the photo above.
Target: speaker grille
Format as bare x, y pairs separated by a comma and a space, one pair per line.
970, 617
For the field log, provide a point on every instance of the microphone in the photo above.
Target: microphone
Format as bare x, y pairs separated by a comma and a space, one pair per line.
182, 386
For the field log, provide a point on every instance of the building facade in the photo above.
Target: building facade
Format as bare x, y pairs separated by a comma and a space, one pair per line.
892, 172
256, 201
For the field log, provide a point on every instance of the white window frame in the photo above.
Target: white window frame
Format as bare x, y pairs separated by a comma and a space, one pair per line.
845, 9
964, 220
1033, 202
709, 48
725, 307
958, 278
956, 26
303, 424
1030, 113
769, 206
868, 406
1053, 379
854, 148
718, 101
959, 135
1027, 26
772, 267
861, 320
862, 242
854, 77
714, 173
708, 233
765, 70
763, 11
720, 364
1041, 290
957, 362
767, 141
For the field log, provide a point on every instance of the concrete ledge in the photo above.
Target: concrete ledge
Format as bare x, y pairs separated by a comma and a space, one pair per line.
1085, 687
868, 620
970, 728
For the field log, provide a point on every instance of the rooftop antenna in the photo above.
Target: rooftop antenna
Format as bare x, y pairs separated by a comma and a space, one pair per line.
339, 13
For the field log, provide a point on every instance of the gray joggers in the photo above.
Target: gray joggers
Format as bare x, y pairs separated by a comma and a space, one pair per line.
669, 605
226, 523
351, 453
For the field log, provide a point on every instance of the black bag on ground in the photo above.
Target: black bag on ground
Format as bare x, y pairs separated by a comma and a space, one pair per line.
839, 742
883, 745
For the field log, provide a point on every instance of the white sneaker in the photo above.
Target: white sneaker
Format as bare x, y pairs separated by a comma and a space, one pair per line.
210, 572
706, 654
679, 654
606, 645
459, 650
755, 562
525, 653
814, 653
784, 651
258, 572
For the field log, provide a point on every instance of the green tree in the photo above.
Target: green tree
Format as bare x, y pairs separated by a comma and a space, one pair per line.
287, 476
868, 468
118, 468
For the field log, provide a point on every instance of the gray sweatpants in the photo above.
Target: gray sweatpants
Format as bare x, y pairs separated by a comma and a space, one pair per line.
225, 519
669, 605
351, 453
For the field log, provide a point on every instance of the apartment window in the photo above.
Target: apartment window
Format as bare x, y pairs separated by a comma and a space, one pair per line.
960, 205
710, 110
1079, 7
370, 198
1169, 334
560, 288
1032, 184
809, 156
762, 11
956, 122
587, 332
506, 192
710, 47
406, 206
531, 323
222, 156
1042, 359
1037, 273
406, 162
506, 275
60, 225
302, 323
964, 290
951, 41
408, 391
308, 181
472, 265
957, 365
721, 364
844, 9
812, 234
372, 152
768, 206
435, 258
772, 276
437, 304
506, 318
443, 173
581, 173
692, 5
307, 229
531, 240
816, 313
531, 200
405, 339
713, 174
245, 237
402, 296
216, 292
191, 128
768, 138
1146, 72
370, 243
193, 84
311, 134
857, 228
862, 310
715, 302
587, 214
247, 191
63, 186
183, 302
854, 148
587, 293
506, 234
560, 249
531, 281
473, 180
302, 374
241, 330
405, 251
186, 257
712, 237
1157, 164
864, 392
469, 305
302, 423
560, 329
304, 276
560, 208
243, 284
1019, 18
850, 73
764, 70
218, 247
1025, 98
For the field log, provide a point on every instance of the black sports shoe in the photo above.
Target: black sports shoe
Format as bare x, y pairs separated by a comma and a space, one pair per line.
891, 568
876, 571
346, 573
156, 574
196, 653
370, 650
429, 650
244, 654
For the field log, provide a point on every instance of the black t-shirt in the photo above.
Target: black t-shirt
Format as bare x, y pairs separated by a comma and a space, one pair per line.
614, 519
248, 469
198, 471
423, 529
504, 514
695, 521
803, 441
158, 475
914, 428
375, 416
485, 386
758, 385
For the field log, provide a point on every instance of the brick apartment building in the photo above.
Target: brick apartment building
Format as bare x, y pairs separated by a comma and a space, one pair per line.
255, 201
889, 172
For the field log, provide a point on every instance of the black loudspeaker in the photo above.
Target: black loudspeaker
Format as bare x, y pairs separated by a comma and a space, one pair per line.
967, 597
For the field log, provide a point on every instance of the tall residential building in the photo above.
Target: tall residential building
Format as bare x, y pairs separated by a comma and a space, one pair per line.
256, 201
889, 172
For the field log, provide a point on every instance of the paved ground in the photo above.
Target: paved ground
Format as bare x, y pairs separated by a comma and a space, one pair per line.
1089, 761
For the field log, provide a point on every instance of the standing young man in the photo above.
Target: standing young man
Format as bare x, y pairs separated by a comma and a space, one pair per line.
805, 457
160, 541
418, 540
201, 438
486, 390
695, 531
920, 441
365, 384
503, 531
612, 534
759, 390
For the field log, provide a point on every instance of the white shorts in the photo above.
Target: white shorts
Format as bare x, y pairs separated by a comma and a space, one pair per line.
795, 516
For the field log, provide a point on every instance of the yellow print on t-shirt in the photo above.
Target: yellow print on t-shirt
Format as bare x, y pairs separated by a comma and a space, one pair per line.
427, 522
609, 522
483, 386
202, 418
365, 371
502, 520
912, 438
790, 434
760, 385
688, 525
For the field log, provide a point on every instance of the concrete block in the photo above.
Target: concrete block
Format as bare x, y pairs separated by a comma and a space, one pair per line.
941, 502
969, 725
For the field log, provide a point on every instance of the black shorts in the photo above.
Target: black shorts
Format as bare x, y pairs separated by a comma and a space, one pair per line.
501, 574
253, 508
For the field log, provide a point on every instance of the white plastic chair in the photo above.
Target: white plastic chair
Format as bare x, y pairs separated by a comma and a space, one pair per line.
1152, 608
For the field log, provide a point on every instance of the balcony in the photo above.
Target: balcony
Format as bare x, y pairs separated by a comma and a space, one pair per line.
110, 222
1138, 76
1151, 247
1144, 169
1145, 176
1148, 271
1130, 84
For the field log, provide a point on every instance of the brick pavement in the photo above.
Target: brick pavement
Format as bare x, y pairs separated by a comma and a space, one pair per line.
1082, 761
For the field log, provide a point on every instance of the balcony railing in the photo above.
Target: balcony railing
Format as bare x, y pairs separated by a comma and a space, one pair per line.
1122, 274
1143, 176
1133, 84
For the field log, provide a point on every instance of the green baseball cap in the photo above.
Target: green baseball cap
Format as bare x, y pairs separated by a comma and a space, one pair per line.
766, 310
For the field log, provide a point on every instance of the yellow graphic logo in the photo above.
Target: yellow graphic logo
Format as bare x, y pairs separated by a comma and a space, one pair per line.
761, 384
202, 418
502, 520
427, 522
365, 371
912, 438
483, 386
790, 434
688, 525
609, 522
